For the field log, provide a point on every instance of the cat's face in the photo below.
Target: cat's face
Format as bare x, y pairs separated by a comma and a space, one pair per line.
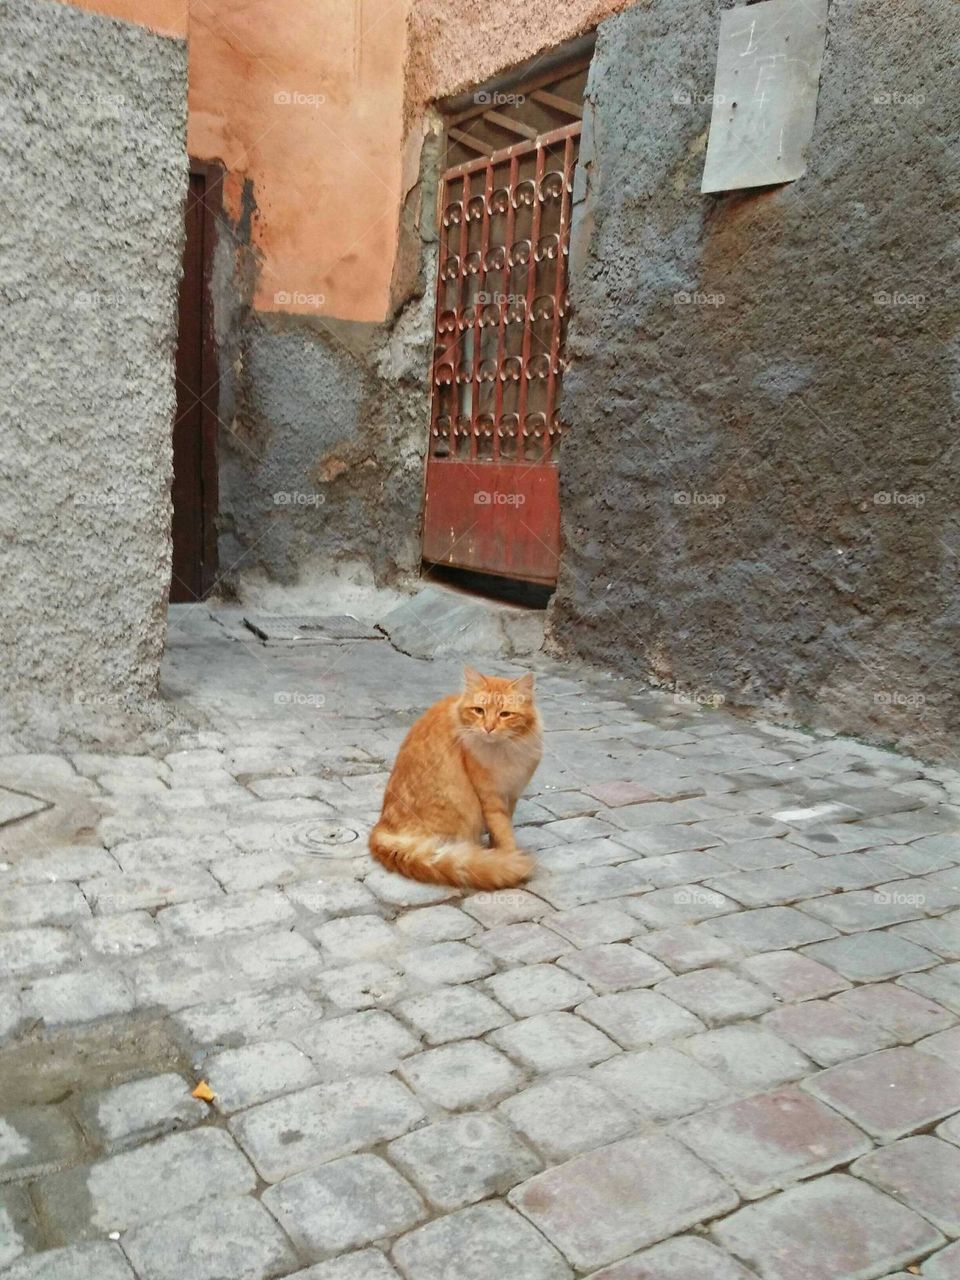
492, 709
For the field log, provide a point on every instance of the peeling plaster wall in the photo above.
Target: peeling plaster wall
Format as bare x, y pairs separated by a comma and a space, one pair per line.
719, 489
92, 132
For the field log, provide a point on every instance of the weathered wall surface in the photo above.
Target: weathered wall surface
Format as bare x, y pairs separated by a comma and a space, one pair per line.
92, 131
168, 17
759, 493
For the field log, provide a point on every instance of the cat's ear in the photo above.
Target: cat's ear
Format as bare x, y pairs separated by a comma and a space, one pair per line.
471, 679
524, 684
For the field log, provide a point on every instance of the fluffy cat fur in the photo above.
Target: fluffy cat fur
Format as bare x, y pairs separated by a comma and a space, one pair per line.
459, 772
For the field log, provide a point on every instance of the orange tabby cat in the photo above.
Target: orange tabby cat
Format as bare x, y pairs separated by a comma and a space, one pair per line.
460, 772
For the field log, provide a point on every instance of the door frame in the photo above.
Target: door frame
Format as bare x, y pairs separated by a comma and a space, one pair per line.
212, 175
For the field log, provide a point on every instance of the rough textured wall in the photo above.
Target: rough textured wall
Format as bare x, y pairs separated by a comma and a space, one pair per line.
759, 493
92, 129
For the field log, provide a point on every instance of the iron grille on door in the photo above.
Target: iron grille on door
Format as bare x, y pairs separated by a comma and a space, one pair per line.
492, 493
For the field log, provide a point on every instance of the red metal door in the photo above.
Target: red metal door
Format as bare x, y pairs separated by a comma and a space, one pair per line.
492, 496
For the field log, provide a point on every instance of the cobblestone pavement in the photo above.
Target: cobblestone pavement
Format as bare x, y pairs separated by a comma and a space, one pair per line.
716, 1036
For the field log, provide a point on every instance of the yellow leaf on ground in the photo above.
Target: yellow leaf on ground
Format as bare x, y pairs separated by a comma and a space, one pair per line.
203, 1092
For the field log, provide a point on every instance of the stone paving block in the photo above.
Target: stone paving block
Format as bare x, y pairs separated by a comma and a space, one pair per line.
503, 906
661, 1083
683, 947
635, 1019
892, 1093
468, 1074
580, 855
442, 923
330, 899
100, 1261
446, 963
554, 1042
174, 978
657, 813
256, 1073
906, 1015
235, 1237
453, 1013
945, 1045
833, 1228
110, 895
343, 1205
31, 951
751, 1057
356, 938
716, 996
772, 887
35, 1139
67, 999
764, 1143
290, 1134
139, 1110
275, 957
538, 988
361, 986
458, 1161
565, 1116
38, 904
19, 1230
682, 1258
681, 869
523, 943
828, 1033
594, 924
944, 1265
615, 966
922, 1173
941, 985
793, 977
483, 1242
941, 935
125, 935
244, 872
266, 1015
770, 928
69, 862
398, 891
864, 909
155, 1181
567, 830
680, 904
595, 884
568, 804
847, 872
365, 1043
365, 1264
230, 913
871, 957
615, 794
651, 842
760, 855
605, 1204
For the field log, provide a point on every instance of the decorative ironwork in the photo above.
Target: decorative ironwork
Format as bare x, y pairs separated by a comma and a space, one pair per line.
502, 303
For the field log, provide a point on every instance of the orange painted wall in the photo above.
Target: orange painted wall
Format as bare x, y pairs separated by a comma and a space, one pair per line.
169, 17
305, 98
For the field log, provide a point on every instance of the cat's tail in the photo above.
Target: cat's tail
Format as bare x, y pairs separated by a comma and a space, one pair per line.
461, 863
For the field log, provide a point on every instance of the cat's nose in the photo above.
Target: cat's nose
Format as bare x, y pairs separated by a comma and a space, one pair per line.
488, 728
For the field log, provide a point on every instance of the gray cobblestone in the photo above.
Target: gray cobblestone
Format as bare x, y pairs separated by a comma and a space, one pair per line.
568, 1115
355, 938
554, 1042
827, 1033
125, 935
70, 998
635, 1019
266, 1015
452, 1013
682, 948
683, 1258
906, 1015
923, 1173
290, 1134
361, 986
139, 1110
29, 951
442, 923
607, 1203
35, 904
871, 957
468, 1074
594, 924
892, 1093
662, 1083
770, 928
343, 1205
447, 962
483, 1242
35, 1139
235, 1237
365, 1264
78, 1262
523, 943
716, 996
256, 1073
615, 966
750, 1056
793, 977
233, 913
110, 895
538, 988
459, 1161
505, 906
365, 1043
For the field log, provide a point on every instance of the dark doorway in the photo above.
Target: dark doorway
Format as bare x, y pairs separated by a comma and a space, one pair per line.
195, 426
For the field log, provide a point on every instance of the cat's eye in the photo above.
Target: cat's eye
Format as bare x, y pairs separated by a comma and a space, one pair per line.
477, 711
505, 715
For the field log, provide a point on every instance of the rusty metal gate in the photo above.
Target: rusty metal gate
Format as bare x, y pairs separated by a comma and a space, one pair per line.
492, 494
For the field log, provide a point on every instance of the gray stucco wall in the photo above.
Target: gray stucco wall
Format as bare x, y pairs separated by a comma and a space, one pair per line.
93, 156
721, 517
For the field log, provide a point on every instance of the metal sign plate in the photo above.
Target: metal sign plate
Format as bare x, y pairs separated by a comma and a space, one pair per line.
765, 93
